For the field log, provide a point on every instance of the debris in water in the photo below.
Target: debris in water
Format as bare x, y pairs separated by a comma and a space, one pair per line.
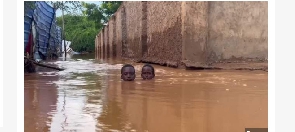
227, 89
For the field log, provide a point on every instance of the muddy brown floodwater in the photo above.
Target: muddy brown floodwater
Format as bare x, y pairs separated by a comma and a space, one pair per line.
89, 96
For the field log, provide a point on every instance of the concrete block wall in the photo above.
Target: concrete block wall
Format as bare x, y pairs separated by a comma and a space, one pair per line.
192, 34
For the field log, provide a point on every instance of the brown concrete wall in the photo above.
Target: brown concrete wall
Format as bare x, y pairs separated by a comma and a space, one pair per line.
114, 44
111, 37
194, 31
118, 32
103, 53
98, 42
133, 29
194, 34
238, 31
163, 32
106, 42
101, 44
95, 44
100, 34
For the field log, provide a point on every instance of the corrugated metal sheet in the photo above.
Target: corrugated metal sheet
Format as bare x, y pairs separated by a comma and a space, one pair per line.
28, 18
48, 34
55, 38
52, 41
43, 17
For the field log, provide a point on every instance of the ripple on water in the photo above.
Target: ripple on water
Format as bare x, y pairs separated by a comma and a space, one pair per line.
89, 96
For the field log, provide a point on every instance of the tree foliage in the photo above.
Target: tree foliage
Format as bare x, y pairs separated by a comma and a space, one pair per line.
102, 13
109, 8
81, 29
67, 6
93, 13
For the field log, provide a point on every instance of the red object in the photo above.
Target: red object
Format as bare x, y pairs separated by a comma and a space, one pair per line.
28, 48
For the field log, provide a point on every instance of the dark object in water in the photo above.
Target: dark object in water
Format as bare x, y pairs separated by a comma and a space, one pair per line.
43, 65
29, 67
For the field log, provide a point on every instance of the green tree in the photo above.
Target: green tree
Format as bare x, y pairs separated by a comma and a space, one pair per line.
93, 13
80, 31
68, 6
109, 8
101, 14
64, 6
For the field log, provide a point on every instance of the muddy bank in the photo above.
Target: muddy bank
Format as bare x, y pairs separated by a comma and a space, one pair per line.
229, 66
188, 65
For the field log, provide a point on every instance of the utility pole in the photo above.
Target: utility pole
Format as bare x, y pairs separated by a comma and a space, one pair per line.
63, 31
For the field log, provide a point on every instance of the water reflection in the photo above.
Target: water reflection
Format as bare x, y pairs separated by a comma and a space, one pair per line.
90, 96
40, 101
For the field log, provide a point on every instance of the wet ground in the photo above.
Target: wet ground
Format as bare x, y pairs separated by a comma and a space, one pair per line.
89, 96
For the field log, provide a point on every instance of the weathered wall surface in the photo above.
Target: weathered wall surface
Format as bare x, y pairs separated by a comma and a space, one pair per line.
105, 42
96, 44
133, 29
111, 37
114, 47
163, 32
194, 34
96, 47
238, 31
101, 45
118, 32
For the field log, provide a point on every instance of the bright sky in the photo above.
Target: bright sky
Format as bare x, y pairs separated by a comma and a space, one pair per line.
58, 12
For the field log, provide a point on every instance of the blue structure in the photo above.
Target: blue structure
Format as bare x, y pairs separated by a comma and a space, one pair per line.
58, 37
28, 24
47, 35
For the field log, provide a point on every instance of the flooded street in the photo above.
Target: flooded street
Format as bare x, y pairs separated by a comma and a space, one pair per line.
89, 96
